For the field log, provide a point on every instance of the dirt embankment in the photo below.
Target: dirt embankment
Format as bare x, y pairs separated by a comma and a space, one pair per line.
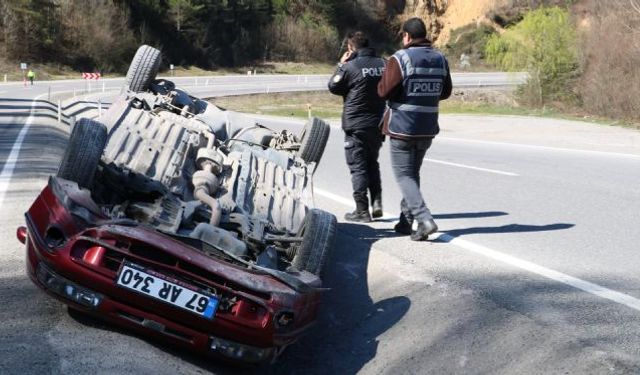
447, 15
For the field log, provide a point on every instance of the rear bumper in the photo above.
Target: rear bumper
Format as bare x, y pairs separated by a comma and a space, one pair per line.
143, 322
84, 290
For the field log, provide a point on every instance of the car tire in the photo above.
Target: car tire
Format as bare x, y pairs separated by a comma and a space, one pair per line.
318, 232
143, 69
313, 140
82, 155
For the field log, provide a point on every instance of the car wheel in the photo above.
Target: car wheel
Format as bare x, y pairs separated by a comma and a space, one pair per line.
143, 69
318, 232
82, 155
313, 140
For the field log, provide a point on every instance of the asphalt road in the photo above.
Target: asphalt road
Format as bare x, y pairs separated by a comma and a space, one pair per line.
533, 270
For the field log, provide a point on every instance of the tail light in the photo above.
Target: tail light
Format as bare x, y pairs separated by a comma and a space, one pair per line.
94, 255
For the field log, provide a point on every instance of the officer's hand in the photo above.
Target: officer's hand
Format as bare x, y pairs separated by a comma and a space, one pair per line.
346, 57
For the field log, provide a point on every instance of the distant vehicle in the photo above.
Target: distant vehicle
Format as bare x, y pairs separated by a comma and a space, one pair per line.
184, 222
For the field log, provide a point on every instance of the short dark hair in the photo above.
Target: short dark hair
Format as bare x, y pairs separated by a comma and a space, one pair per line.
415, 28
358, 39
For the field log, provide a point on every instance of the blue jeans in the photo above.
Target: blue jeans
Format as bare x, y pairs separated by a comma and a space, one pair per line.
406, 160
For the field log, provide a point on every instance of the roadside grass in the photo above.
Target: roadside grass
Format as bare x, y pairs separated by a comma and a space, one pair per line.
262, 68
324, 105
321, 103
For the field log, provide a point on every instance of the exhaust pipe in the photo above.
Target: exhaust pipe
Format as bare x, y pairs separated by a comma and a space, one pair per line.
205, 184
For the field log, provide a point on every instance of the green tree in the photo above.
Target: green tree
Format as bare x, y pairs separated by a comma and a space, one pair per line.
544, 44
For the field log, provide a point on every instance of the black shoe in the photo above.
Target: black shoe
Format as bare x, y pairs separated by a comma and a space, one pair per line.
376, 208
425, 228
404, 225
358, 216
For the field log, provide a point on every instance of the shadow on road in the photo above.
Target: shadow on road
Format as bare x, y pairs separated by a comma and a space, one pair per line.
511, 228
345, 338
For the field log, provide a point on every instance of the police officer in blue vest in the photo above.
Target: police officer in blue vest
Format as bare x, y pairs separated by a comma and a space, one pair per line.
416, 78
356, 80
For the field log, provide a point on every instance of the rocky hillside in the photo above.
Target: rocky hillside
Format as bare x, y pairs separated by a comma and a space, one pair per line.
447, 15
444, 16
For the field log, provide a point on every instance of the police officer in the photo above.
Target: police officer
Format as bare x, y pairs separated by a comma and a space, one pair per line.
416, 78
356, 80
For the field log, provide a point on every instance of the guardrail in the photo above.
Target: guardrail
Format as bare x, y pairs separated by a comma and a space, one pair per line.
215, 86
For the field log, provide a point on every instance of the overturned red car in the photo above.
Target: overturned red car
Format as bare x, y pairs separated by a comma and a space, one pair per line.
184, 222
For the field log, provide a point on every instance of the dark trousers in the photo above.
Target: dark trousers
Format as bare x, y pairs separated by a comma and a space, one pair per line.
361, 148
406, 160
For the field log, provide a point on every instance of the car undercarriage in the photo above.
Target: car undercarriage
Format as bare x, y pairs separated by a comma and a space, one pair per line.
169, 206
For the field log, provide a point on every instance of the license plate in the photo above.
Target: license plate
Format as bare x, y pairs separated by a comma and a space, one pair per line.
160, 287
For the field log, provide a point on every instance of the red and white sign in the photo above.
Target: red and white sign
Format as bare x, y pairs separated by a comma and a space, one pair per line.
95, 76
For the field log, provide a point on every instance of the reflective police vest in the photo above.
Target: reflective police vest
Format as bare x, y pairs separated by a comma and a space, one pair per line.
414, 111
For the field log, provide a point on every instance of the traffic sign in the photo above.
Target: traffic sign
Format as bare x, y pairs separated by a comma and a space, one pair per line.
23, 66
95, 76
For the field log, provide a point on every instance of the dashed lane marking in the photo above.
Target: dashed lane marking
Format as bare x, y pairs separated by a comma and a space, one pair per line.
471, 167
586, 286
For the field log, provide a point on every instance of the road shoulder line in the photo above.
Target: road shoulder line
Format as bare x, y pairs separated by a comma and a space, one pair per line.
586, 286
10, 163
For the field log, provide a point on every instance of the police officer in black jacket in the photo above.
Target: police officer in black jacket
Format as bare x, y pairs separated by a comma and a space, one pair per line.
356, 80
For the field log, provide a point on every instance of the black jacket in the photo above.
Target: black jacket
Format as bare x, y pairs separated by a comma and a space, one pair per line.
357, 82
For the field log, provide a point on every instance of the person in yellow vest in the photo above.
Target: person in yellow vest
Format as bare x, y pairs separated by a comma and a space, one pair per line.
31, 75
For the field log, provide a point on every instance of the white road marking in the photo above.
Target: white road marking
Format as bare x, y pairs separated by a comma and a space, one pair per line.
604, 153
471, 167
334, 197
10, 163
586, 286
595, 289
